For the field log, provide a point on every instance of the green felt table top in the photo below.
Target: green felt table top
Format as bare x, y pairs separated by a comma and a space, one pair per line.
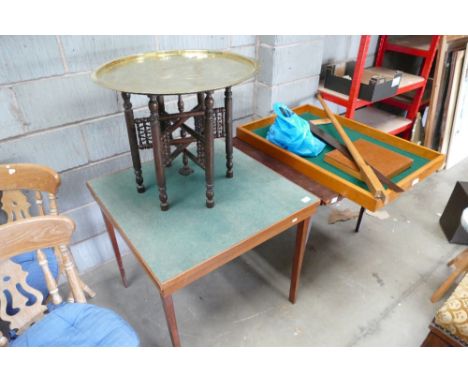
174, 241
418, 161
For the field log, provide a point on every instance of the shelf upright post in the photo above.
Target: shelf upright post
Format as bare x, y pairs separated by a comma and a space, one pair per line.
357, 75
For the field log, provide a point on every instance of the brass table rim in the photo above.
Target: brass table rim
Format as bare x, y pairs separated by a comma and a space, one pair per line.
97, 75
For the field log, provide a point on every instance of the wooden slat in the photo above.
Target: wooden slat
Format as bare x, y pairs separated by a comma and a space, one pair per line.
367, 173
33, 233
28, 176
388, 162
415, 42
446, 44
451, 100
381, 120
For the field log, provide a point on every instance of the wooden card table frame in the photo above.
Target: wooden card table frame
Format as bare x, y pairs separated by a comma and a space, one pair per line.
253, 207
426, 161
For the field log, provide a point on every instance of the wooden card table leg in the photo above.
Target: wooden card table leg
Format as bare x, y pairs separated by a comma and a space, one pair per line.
301, 240
228, 124
115, 246
157, 152
209, 149
168, 306
132, 139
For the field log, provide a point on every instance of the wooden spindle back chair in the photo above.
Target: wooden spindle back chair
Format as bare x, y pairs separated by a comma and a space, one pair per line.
24, 235
15, 178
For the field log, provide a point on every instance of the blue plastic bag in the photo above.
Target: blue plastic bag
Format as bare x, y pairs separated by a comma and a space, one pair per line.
292, 133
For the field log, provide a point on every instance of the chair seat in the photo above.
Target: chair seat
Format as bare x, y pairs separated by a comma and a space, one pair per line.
453, 315
79, 325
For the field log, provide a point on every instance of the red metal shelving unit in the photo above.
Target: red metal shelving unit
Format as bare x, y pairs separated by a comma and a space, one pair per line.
420, 46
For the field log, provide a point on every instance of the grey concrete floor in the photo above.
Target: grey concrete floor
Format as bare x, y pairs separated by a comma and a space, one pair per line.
365, 289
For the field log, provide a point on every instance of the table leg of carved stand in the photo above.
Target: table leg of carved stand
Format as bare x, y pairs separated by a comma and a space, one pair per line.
132, 139
185, 170
157, 152
228, 125
209, 158
163, 124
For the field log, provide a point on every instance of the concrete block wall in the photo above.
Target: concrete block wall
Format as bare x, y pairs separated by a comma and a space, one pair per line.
53, 114
291, 67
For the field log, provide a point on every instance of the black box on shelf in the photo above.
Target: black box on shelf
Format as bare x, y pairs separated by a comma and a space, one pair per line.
339, 78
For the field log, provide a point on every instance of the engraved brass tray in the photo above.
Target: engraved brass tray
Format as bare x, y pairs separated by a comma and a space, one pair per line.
175, 72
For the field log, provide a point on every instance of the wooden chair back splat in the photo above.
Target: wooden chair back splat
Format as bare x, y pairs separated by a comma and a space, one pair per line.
14, 178
33, 234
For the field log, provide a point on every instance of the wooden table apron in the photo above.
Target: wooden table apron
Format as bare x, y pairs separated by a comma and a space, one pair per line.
171, 286
300, 218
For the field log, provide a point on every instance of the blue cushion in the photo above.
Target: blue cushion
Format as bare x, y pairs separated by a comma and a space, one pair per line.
28, 262
79, 325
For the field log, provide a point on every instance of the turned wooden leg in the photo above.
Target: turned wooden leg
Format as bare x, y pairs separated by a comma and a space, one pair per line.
185, 170
115, 246
157, 152
209, 149
132, 139
460, 263
228, 123
301, 240
168, 306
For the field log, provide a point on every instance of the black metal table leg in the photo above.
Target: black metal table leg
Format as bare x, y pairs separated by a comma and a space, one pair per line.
132, 139
228, 122
358, 224
157, 152
209, 148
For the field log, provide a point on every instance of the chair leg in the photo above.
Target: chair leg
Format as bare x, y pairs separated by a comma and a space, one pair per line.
460, 257
460, 263
86, 288
91, 293
445, 286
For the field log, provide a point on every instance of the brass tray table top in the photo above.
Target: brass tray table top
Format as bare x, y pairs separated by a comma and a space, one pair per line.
180, 72
175, 72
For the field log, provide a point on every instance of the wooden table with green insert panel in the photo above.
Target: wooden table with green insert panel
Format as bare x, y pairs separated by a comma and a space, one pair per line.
178, 246
425, 162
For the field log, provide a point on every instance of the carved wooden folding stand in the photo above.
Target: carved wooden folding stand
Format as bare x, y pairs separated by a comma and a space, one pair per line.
159, 74
209, 123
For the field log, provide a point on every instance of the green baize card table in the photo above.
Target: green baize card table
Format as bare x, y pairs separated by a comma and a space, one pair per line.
179, 246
